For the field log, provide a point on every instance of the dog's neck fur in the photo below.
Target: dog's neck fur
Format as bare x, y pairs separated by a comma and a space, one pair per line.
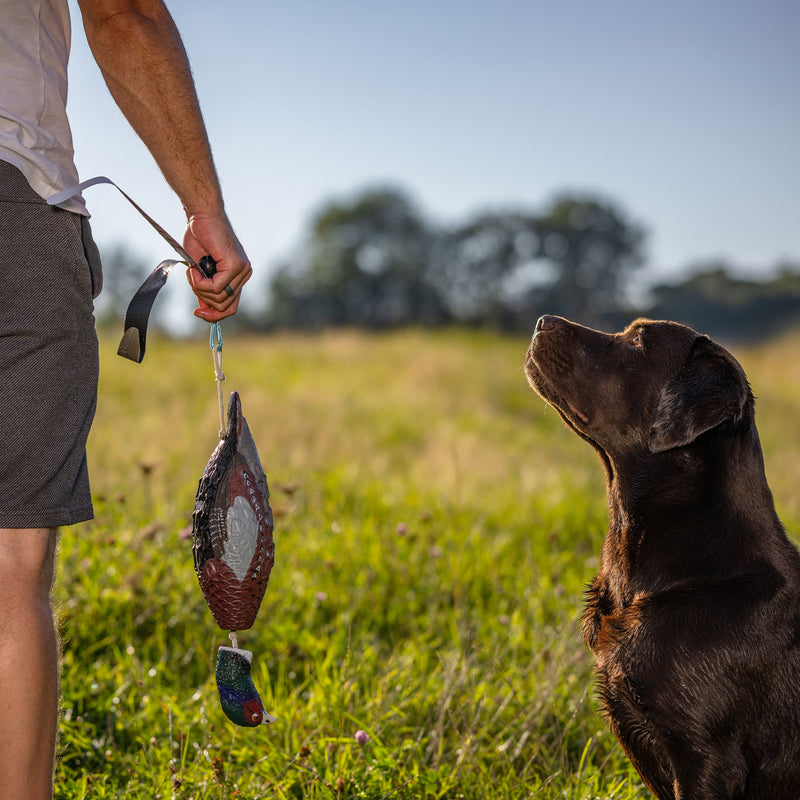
660, 534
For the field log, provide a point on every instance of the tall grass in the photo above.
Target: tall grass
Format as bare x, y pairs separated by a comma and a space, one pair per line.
435, 529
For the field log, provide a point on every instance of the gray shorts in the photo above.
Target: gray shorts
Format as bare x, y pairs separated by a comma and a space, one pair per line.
49, 273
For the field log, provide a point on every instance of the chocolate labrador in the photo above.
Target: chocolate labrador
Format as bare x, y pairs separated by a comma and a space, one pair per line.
694, 617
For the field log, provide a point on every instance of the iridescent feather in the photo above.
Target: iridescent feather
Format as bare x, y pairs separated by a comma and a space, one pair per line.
238, 696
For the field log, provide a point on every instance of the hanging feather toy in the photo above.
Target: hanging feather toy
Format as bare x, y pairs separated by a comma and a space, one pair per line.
233, 557
232, 522
233, 546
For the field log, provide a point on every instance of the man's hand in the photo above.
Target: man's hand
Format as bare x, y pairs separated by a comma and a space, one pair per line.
217, 297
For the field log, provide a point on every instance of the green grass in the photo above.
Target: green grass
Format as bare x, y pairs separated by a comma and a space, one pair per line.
435, 528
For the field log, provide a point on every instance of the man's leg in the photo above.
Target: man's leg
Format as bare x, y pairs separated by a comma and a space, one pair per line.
28, 664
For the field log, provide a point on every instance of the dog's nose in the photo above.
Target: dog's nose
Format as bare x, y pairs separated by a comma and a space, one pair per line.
546, 323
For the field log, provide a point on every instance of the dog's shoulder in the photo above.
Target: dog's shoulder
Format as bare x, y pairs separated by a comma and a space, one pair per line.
744, 630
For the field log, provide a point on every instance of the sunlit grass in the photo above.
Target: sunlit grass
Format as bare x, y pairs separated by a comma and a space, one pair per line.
435, 529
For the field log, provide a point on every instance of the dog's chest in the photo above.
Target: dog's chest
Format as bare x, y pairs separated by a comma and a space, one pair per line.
609, 625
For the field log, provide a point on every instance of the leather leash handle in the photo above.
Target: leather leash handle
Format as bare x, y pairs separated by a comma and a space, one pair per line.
134, 338
135, 335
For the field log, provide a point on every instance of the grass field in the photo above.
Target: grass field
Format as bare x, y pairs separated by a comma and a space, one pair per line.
435, 528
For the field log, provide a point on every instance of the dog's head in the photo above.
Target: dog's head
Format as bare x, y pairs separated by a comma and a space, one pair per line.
655, 386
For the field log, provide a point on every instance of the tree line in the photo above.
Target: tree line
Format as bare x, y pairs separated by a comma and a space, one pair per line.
376, 261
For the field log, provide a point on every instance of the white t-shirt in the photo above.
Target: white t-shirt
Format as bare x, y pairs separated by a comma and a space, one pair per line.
34, 131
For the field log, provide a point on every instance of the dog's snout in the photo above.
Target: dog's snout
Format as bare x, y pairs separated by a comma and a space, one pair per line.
547, 322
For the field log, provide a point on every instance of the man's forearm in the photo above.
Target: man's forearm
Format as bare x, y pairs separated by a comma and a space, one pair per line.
140, 53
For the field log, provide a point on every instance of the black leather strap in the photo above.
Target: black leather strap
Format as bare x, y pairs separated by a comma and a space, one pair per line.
134, 337
136, 317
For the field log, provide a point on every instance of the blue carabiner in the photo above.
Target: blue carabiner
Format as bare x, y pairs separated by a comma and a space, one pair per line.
215, 337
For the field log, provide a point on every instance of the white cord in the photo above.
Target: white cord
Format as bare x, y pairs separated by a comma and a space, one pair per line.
215, 342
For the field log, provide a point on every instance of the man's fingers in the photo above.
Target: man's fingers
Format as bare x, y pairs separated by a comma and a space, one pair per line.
209, 314
225, 294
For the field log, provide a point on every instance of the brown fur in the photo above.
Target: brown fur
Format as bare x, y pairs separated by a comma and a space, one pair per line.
694, 616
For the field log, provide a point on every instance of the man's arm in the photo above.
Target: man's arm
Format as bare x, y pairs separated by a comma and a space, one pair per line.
144, 64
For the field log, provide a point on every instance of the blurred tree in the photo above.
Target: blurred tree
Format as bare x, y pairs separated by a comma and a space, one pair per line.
591, 248
711, 299
365, 264
483, 267
375, 262
507, 268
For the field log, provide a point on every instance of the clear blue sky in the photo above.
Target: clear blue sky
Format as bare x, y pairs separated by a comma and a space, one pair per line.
686, 113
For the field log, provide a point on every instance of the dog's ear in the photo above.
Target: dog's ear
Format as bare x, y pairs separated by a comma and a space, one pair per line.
710, 389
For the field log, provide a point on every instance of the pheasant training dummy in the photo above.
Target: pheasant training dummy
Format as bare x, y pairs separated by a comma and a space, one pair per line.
233, 556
